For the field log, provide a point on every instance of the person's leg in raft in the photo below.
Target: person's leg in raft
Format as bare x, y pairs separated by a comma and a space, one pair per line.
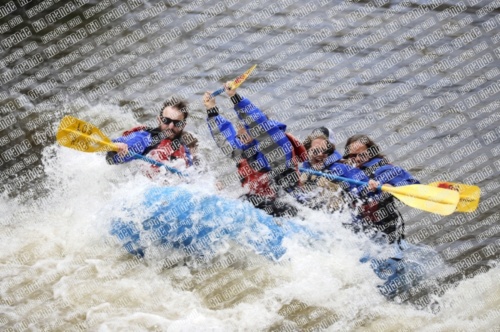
272, 207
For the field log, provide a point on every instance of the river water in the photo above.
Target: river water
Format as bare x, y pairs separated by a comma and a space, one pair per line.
420, 77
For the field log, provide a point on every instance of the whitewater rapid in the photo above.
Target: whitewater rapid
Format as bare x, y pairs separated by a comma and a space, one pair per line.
63, 271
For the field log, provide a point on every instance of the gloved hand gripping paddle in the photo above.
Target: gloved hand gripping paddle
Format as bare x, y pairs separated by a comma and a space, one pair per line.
419, 196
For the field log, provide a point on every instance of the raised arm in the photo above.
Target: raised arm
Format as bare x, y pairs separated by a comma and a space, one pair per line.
254, 119
222, 130
269, 134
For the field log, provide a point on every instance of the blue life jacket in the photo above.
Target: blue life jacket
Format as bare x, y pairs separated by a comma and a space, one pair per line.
380, 170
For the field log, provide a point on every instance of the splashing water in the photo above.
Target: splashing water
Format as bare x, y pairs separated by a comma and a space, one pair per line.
62, 270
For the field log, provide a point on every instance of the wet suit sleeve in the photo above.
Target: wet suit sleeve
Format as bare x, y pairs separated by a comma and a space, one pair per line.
137, 143
223, 133
255, 121
269, 134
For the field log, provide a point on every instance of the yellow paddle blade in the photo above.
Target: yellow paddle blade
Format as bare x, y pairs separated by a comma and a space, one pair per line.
240, 79
427, 198
469, 194
82, 136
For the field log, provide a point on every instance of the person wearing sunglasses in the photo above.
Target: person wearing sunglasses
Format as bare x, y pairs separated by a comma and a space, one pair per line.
323, 157
378, 209
164, 143
265, 155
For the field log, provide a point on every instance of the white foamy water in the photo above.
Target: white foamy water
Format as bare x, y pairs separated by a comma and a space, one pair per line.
62, 271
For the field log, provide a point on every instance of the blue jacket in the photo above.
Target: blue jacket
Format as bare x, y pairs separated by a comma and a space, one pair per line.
383, 172
137, 142
270, 149
334, 167
142, 140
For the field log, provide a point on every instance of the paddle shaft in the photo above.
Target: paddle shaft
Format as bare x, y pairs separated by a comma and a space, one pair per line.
156, 163
217, 92
391, 190
149, 160
334, 177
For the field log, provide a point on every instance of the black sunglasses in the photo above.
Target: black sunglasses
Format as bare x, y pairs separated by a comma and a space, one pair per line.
167, 121
354, 155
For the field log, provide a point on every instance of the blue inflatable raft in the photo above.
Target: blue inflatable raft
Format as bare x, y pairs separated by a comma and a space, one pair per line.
174, 218
197, 224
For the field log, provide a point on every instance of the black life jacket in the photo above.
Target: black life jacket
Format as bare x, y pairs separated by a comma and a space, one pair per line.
380, 211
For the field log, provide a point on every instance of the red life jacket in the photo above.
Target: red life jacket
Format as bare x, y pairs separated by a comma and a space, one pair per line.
165, 150
299, 153
257, 181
